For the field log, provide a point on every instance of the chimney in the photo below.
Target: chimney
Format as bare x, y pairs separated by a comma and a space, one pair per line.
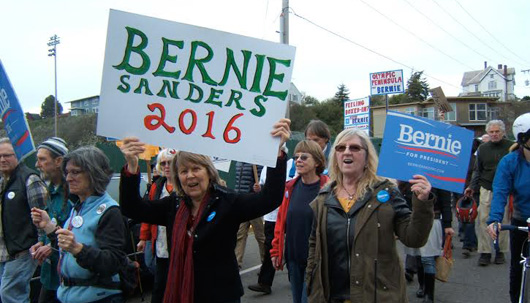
499, 66
505, 71
485, 64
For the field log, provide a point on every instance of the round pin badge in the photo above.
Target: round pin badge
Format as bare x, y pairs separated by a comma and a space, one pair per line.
101, 209
211, 216
54, 221
77, 221
383, 196
10, 195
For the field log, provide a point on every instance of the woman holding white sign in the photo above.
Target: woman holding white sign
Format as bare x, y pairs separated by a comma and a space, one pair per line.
352, 247
202, 220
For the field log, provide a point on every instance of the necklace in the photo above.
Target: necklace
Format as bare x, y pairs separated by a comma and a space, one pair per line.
350, 196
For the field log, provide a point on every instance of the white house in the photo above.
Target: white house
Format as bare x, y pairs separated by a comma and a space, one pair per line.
490, 82
84, 106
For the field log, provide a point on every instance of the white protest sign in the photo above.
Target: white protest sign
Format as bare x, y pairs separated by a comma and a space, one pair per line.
388, 82
193, 89
357, 114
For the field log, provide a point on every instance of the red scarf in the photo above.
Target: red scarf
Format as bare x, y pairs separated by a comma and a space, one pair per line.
180, 286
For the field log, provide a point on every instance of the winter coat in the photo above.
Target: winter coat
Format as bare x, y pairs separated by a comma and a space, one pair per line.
216, 272
373, 256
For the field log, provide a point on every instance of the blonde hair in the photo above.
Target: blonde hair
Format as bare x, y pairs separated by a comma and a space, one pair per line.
185, 158
369, 177
166, 153
312, 148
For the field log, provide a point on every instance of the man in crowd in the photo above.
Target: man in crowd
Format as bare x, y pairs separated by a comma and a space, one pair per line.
22, 190
49, 161
488, 156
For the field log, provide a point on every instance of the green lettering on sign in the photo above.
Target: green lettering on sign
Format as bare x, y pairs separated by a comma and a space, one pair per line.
138, 49
199, 63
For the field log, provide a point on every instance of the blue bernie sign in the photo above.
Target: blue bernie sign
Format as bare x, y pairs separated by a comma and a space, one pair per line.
415, 145
15, 123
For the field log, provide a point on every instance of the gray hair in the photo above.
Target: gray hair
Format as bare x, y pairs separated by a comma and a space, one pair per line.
95, 163
166, 153
499, 123
5, 140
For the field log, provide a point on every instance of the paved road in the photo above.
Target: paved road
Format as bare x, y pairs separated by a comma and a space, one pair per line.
468, 282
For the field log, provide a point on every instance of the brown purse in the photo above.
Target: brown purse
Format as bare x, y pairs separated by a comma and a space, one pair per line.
444, 263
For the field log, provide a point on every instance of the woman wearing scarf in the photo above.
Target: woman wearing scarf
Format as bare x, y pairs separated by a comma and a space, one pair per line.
202, 219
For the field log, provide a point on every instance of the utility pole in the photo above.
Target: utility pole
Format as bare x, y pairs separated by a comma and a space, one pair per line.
284, 38
54, 40
284, 23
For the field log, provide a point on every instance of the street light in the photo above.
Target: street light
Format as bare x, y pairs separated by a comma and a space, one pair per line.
54, 40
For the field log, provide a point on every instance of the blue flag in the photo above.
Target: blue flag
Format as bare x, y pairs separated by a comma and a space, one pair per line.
14, 119
415, 145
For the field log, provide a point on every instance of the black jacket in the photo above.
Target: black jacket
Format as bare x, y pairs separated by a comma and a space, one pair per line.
19, 231
216, 270
244, 177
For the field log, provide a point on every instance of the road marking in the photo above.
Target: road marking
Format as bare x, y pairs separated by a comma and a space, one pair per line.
250, 269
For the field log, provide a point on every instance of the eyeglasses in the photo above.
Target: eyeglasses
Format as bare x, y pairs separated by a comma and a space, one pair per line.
354, 148
74, 172
302, 157
165, 163
5, 156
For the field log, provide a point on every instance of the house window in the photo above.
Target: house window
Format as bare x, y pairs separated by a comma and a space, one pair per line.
491, 76
493, 113
476, 87
477, 112
492, 85
428, 113
451, 116
410, 110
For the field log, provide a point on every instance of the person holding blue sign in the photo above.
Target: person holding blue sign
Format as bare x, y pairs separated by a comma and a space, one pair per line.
352, 247
513, 177
203, 218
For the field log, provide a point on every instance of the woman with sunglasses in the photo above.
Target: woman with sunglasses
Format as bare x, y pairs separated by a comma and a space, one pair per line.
161, 188
352, 247
295, 217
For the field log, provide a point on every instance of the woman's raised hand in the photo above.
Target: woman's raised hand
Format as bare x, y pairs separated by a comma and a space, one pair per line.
42, 220
131, 148
282, 129
421, 187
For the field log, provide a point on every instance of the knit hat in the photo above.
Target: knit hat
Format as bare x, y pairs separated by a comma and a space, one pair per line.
55, 145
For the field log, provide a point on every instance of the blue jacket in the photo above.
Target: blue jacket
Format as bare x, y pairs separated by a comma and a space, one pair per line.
512, 176
91, 210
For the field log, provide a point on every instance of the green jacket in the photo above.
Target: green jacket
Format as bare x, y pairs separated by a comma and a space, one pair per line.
375, 226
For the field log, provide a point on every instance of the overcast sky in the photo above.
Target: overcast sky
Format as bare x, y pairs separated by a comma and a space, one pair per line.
443, 38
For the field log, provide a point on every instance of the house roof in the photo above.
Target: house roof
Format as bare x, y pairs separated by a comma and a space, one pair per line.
476, 76
83, 99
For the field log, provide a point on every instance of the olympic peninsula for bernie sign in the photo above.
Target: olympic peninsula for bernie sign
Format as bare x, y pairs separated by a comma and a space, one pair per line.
414, 145
193, 89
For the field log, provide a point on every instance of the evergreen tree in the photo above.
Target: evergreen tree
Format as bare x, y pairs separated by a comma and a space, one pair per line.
48, 107
341, 95
417, 87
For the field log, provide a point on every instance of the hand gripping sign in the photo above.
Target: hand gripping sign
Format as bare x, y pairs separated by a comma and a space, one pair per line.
193, 89
414, 145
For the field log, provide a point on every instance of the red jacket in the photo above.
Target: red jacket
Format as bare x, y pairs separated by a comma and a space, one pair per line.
279, 229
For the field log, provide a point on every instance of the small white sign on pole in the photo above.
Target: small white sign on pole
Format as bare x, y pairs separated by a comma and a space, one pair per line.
357, 114
386, 83
193, 89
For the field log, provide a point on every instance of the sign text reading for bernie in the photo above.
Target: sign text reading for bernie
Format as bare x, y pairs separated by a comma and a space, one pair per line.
193, 88
357, 114
12, 115
414, 145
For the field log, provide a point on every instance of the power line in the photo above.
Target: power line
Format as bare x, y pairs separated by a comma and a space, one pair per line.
484, 28
366, 48
470, 32
445, 31
416, 36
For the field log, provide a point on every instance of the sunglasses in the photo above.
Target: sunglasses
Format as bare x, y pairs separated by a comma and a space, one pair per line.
164, 163
301, 157
354, 148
